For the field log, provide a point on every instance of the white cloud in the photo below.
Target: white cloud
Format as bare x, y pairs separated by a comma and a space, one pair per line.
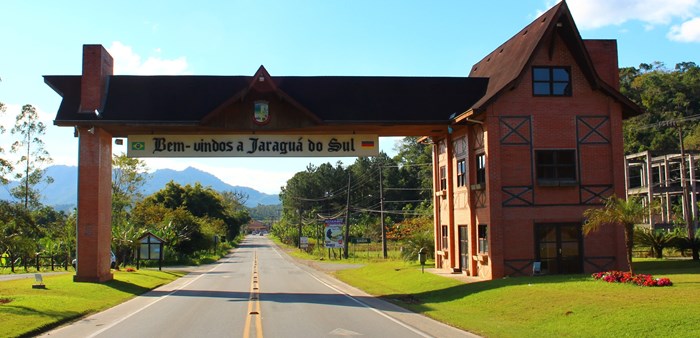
127, 62
689, 31
592, 14
598, 13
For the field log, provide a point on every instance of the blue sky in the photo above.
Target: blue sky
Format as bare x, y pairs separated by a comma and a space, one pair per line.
329, 37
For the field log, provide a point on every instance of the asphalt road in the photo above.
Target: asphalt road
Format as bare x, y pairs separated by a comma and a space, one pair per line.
258, 291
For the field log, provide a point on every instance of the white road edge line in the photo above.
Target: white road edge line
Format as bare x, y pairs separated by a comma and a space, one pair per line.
109, 326
414, 330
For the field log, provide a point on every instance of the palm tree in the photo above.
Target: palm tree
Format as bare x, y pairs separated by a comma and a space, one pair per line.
617, 212
656, 240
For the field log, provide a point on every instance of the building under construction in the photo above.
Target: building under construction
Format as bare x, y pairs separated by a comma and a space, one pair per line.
667, 179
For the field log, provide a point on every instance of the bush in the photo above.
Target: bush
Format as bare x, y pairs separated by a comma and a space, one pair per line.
684, 244
627, 277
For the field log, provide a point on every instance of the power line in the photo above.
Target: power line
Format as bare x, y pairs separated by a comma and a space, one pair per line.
671, 123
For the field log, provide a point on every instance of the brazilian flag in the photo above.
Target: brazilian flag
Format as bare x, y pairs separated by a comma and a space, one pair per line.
138, 145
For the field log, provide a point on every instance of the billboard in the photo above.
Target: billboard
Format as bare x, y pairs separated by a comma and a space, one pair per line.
333, 233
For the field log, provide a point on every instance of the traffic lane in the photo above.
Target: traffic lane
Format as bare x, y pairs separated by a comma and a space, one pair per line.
212, 306
210, 302
295, 303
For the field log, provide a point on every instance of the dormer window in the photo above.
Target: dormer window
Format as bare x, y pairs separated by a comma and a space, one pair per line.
551, 81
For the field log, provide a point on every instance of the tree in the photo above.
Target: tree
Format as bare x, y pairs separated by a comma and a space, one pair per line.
415, 163
18, 230
177, 214
33, 156
656, 240
5, 165
663, 94
617, 212
321, 192
128, 177
236, 214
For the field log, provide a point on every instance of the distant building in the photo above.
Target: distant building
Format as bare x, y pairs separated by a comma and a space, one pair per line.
255, 227
658, 178
516, 170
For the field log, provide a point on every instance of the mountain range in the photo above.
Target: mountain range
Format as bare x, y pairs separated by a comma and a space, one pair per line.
62, 194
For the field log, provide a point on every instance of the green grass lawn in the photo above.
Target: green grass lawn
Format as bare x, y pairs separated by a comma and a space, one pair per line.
25, 311
357, 253
545, 306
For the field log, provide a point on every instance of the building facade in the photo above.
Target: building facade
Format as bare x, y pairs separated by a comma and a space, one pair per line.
516, 171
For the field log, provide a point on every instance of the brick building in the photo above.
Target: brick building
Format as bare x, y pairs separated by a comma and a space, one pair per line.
517, 169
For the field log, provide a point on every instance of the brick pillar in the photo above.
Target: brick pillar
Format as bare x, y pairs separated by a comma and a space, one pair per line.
94, 233
98, 65
94, 205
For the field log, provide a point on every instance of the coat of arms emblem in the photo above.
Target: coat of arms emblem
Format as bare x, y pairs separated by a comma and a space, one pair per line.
261, 114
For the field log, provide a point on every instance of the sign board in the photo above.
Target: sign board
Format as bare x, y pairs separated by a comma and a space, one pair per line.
252, 145
333, 233
150, 247
304, 242
361, 240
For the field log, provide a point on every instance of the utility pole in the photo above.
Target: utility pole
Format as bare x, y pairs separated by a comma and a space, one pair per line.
299, 236
347, 222
381, 213
689, 219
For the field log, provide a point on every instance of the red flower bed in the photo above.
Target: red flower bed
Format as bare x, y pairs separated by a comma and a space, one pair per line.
626, 277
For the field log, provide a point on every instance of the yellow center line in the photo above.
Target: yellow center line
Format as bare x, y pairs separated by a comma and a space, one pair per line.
254, 304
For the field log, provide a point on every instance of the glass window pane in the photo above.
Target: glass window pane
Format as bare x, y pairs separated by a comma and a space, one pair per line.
546, 234
570, 233
566, 156
545, 157
567, 173
540, 74
540, 88
560, 74
482, 233
143, 251
569, 249
560, 88
546, 172
548, 250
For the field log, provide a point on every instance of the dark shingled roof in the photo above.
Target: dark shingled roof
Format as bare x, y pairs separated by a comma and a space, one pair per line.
188, 99
383, 98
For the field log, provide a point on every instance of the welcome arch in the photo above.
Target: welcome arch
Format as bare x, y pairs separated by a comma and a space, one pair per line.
170, 113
